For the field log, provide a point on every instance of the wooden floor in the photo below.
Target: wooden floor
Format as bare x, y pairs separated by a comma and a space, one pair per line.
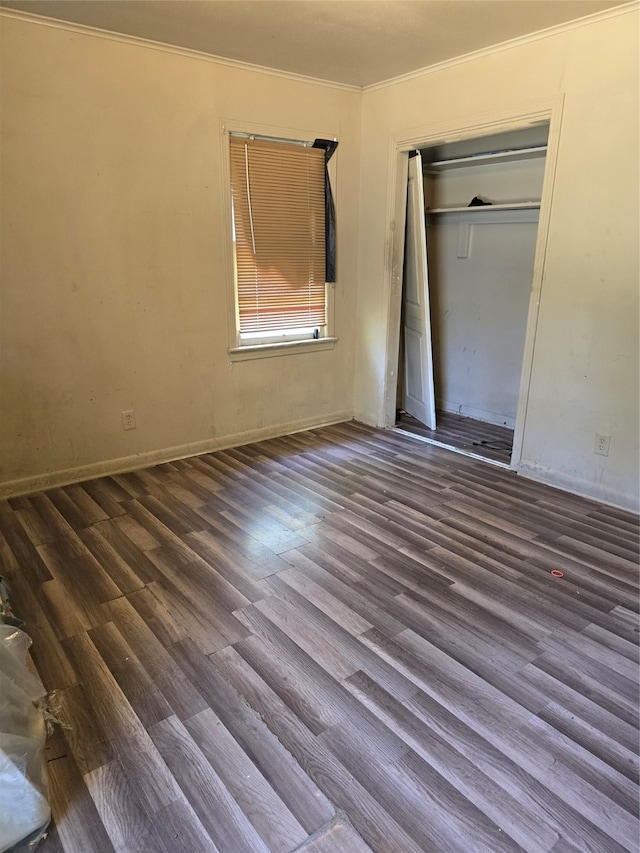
463, 434
331, 642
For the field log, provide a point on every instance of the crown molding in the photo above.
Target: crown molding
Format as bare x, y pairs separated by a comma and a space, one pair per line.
623, 9
558, 29
137, 41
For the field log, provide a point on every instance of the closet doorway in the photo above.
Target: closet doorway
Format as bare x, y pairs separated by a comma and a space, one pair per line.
467, 277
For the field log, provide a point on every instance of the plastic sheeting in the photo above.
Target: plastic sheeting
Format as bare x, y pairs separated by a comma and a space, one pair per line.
24, 809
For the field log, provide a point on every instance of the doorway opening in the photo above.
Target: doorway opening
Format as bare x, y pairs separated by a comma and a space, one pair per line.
468, 267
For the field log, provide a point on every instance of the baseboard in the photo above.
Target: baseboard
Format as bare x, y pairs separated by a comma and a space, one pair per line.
494, 418
592, 491
38, 482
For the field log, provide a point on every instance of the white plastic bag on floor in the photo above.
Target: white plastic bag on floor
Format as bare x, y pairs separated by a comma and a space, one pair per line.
24, 810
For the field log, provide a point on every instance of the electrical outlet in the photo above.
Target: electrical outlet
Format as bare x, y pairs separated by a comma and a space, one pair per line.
602, 444
129, 420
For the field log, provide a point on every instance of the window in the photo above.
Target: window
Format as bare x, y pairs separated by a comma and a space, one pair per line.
280, 239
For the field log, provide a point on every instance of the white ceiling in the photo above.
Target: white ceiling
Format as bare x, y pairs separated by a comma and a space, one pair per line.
359, 42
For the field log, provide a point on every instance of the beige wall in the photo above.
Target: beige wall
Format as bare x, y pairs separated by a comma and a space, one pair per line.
115, 290
584, 368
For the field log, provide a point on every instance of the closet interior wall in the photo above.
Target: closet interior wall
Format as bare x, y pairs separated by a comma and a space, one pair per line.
480, 262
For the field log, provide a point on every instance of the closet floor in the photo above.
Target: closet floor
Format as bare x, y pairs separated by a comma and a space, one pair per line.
463, 434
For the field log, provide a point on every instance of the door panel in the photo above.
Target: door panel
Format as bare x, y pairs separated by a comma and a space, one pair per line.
419, 394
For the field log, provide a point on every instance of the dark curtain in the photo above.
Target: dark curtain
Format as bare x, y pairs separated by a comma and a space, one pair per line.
329, 146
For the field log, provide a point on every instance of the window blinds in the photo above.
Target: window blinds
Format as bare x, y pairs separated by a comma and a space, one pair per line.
277, 192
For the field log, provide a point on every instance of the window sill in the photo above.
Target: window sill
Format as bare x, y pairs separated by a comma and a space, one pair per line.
247, 353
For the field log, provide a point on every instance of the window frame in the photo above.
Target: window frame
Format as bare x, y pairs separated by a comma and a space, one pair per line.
256, 346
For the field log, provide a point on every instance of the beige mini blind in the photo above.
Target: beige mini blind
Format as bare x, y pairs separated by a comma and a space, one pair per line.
278, 212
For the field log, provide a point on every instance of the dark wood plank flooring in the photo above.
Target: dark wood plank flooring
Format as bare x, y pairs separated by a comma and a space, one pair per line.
466, 435
331, 640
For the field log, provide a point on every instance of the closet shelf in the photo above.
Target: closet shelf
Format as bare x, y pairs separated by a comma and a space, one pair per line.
484, 159
518, 205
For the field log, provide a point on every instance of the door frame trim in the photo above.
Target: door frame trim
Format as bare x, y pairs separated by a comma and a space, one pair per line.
538, 112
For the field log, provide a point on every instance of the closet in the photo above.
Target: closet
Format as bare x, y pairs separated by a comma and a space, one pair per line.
481, 201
